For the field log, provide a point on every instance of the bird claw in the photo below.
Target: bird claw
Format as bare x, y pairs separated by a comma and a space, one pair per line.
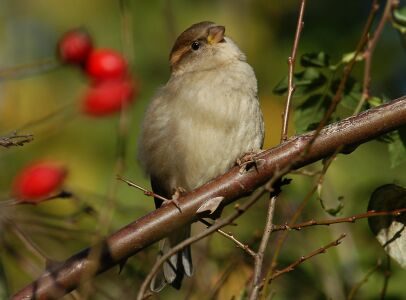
249, 160
175, 197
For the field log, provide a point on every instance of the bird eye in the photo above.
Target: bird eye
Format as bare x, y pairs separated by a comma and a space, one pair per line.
195, 45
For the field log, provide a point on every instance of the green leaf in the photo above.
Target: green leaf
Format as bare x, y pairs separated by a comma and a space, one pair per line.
397, 148
310, 112
347, 57
305, 81
374, 102
399, 22
351, 95
399, 16
282, 86
314, 59
390, 230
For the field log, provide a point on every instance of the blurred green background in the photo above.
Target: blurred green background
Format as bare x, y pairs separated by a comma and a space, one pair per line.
264, 30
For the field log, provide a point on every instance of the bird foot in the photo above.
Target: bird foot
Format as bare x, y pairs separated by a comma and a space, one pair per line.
179, 191
249, 160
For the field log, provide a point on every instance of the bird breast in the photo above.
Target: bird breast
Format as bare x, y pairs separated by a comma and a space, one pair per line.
199, 124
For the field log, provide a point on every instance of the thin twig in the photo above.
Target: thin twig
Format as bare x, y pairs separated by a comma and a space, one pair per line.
351, 219
326, 165
364, 280
387, 274
302, 259
305, 172
291, 63
346, 75
223, 277
336, 99
219, 224
64, 112
28, 242
231, 237
259, 257
30, 69
106, 213
294, 218
369, 51
127, 37
15, 139
146, 192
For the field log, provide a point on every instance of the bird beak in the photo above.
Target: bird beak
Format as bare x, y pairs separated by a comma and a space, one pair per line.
216, 35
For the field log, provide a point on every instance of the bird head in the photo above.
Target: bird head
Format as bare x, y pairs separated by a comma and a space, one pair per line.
203, 46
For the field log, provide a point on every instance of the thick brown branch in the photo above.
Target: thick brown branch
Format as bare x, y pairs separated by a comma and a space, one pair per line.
159, 223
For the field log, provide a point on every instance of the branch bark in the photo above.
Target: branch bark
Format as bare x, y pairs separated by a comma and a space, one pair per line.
143, 232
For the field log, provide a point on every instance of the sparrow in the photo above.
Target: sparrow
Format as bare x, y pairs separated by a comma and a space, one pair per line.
197, 126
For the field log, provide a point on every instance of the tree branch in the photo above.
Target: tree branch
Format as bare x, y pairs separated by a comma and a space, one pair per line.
352, 219
15, 139
143, 232
291, 63
302, 259
259, 256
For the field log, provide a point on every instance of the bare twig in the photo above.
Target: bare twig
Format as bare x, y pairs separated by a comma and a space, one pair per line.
146, 191
31, 69
219, 224
302, 259
28, 242
161, 222
223, 277
369, 51
346, 75
351, 219
387, 274
231, 237
259, 257
305, 172
15, 139
335, 101
282, 238
294, 218
291, 63
126, 30
64, 112
364, 280
119, 166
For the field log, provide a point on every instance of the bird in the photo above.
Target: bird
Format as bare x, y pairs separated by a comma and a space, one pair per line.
197, 126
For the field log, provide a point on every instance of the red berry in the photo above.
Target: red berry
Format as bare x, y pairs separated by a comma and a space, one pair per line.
75, 46
107, 97
106, 64
38, 181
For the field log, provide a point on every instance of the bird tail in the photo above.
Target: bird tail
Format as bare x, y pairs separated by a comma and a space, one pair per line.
173, 270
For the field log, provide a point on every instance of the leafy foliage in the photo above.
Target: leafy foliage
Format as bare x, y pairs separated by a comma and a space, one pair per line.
397, 147
318, 83
315, 86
